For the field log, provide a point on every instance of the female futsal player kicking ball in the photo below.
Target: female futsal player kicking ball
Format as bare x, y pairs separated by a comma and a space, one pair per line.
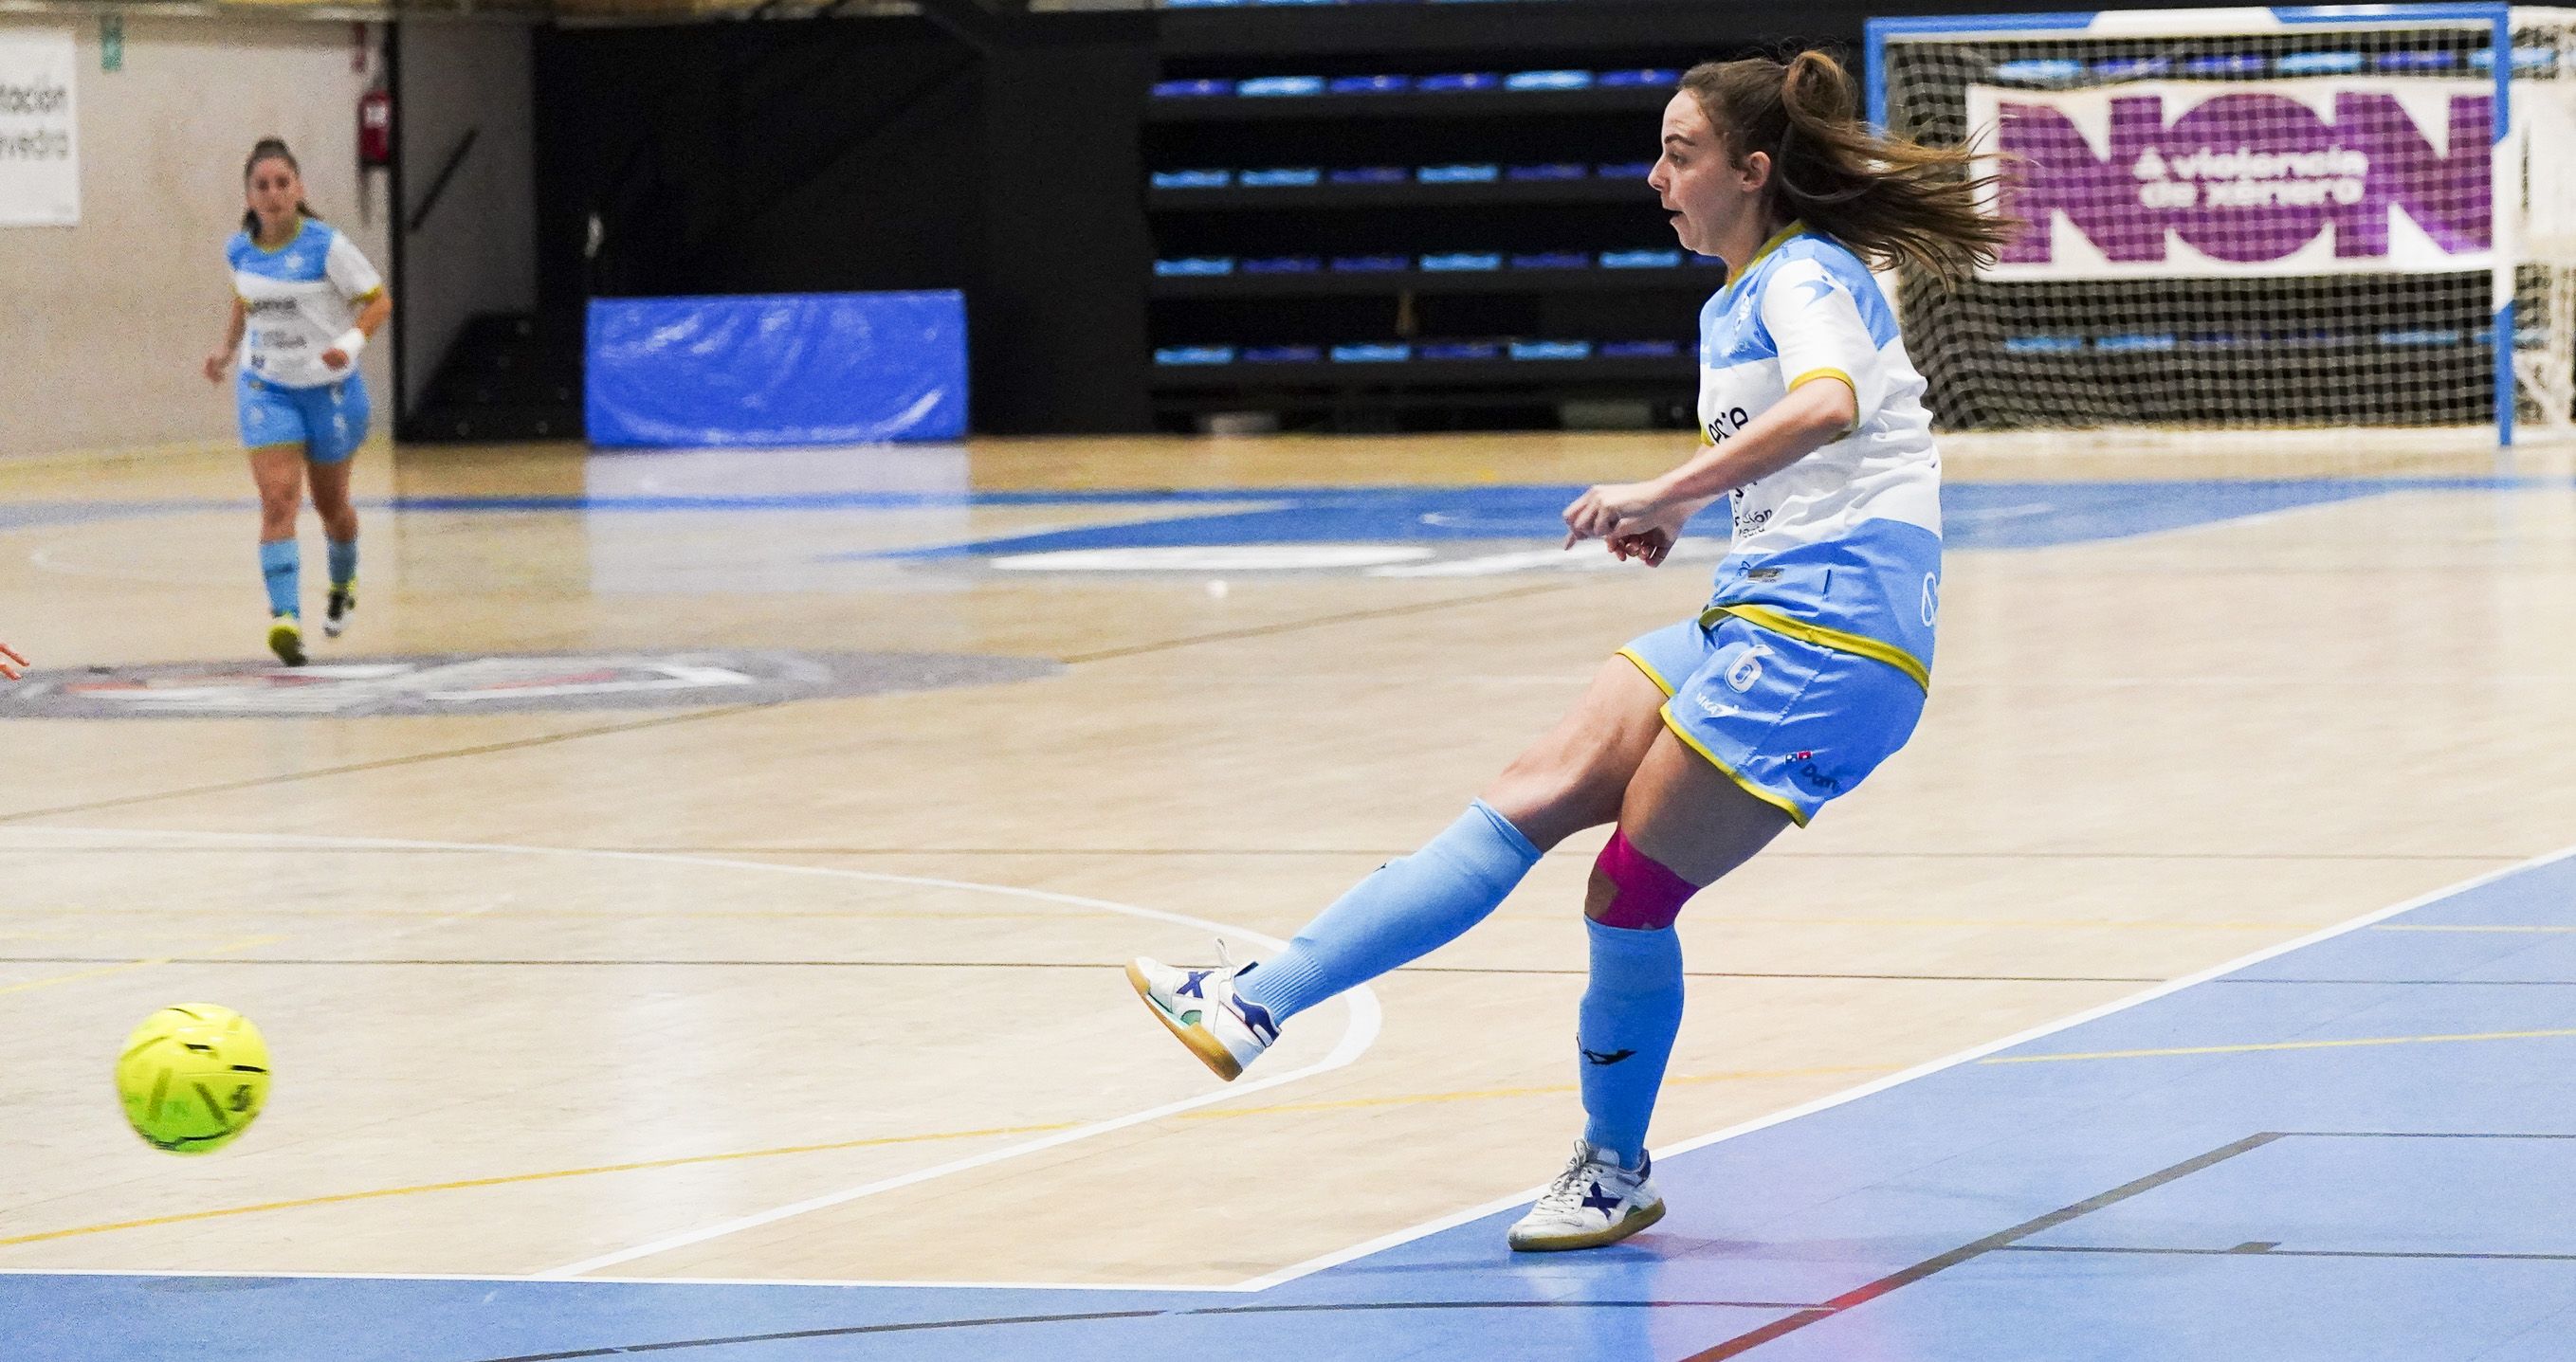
307, 300
1702, 740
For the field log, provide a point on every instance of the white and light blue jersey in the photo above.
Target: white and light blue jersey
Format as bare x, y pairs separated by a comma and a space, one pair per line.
300, 298
1843, 547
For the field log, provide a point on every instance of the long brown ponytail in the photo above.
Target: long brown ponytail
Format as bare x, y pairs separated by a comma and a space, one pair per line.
271, 149
1887, 198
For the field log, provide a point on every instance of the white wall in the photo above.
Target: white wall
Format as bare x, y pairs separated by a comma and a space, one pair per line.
103, 325
477, 251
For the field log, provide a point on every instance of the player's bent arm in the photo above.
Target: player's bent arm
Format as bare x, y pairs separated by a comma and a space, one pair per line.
233, 330
1813, 415
371, 318
344, 351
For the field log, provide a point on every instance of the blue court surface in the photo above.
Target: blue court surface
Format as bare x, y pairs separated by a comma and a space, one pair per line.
2361, 1146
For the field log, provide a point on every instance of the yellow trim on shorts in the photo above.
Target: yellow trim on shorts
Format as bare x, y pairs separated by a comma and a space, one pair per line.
1795, 814
1859, 645
379, 291
1651, 674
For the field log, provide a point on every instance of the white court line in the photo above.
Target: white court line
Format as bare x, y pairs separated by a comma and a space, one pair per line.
1387, 1241
1361, 1031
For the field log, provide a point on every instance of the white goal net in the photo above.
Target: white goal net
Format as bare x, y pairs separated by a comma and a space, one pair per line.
2252, 217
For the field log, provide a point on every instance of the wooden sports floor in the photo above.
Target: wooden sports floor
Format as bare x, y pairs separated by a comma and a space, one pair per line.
828, 989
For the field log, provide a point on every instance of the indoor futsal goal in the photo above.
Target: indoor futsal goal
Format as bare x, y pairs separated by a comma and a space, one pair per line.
2345, 216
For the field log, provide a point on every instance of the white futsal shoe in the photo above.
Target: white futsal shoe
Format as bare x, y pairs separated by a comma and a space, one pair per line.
1201, 1008
1595, 1201
338, 607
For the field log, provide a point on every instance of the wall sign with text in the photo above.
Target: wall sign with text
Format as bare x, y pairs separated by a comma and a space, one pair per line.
39, 147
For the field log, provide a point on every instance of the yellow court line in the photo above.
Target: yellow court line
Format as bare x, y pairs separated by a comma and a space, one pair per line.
621, 914
798, 914
468, 1183
103, 971
1551, 1089
2280, 1045
2114, 923
2431, 928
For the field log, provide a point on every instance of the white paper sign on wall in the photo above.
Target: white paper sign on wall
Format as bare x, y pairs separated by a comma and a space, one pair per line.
39, 141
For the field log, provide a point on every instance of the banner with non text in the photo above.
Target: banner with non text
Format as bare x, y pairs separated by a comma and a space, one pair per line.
2181, 178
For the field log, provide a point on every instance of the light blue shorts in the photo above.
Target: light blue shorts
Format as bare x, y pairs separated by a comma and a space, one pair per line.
1795, 724
330, 421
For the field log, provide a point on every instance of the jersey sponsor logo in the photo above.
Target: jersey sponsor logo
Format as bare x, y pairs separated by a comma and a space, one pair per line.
1726, 423
496, 684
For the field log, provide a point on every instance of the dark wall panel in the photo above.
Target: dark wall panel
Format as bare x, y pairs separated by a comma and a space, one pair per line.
874, 154
738, 158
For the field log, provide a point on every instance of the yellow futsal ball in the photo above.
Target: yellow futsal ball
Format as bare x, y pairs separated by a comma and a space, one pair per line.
193, 1077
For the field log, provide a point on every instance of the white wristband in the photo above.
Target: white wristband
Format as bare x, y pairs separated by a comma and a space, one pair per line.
352, 343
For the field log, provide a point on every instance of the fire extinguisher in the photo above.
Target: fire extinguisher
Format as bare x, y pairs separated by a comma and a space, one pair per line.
376, 128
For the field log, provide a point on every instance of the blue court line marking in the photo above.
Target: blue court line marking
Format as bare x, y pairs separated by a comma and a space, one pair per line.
1990, 515
2418, 1201
1977, 515
23, 515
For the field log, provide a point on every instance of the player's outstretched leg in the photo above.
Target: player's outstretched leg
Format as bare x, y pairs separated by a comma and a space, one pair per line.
1571, 779
1700, 826
1411, 905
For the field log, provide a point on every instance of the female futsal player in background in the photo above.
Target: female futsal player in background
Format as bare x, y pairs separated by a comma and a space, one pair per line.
308, 302
1809, 666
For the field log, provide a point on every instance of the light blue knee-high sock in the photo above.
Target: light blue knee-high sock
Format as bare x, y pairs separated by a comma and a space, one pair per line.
280, 563
1631, 1012
344, 561
1410, 906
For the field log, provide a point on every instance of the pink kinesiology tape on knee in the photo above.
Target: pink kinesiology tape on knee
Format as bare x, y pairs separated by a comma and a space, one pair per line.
1645, 894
